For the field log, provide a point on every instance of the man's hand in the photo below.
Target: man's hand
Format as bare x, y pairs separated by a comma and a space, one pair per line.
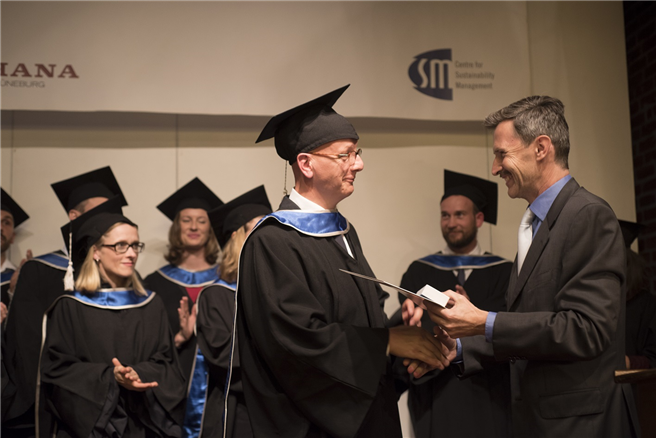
411, 314
416, 343
461, 319
187, 322
128, 378
461, 290
14, 277
418, 368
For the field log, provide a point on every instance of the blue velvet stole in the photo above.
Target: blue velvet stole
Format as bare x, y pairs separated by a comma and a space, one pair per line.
187, 278
5, 276
231, 286
113, 298
196, 398
318, 224
446, 262
54, 260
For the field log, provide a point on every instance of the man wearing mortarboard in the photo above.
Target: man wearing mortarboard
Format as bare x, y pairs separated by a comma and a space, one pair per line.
40, 282
12, 216
439, 403
314, 351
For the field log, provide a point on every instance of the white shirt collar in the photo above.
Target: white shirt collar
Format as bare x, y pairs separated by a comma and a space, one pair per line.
7, 265
304, 203
475, 252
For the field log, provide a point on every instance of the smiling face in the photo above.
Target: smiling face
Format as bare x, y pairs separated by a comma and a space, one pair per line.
333, 177
194, 228
515, 162
117, 268
460, 223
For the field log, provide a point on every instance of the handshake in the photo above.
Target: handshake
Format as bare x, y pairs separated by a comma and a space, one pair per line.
423, 352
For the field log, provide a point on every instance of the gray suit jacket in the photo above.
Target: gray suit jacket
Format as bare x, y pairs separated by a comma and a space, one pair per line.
564, 329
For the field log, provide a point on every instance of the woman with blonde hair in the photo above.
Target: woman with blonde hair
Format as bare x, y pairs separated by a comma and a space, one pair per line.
192, 255
232, 223
108, 365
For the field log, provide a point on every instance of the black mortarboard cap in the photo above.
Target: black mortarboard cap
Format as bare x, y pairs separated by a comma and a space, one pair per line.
232, 215
483, 193
9, 205
630, 231
308, 126
194, 194
88, 228
97, 183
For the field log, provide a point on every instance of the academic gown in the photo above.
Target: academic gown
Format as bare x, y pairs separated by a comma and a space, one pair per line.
440, 404
312, 340
5, 278
171, 283
214, 324
40, 283
78, 387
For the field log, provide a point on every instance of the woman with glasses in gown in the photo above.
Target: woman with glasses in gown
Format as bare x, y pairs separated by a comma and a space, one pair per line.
108, 366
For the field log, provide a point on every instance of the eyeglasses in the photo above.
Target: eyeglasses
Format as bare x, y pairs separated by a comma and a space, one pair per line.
349, 156
122, 247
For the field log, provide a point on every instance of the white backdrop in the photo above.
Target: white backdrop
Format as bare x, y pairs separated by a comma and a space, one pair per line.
259, 58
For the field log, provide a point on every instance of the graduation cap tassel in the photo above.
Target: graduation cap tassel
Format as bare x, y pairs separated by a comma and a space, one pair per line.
69, 281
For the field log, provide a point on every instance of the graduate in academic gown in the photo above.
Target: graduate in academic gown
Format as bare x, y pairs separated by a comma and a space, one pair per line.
108, 367
192, 257
40, 282
312, 340
232, 223
440, 404
12, 216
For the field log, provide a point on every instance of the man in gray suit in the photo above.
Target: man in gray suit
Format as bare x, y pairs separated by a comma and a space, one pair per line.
563, 331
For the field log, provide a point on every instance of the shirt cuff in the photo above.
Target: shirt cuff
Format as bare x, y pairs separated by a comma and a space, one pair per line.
458, 358
489, 326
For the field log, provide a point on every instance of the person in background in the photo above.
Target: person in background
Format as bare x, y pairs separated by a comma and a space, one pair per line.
40, 282
440, 404
192, 255
232, 223
12, 216
108, 363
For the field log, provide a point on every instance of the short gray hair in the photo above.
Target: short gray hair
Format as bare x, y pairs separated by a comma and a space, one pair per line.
534, 116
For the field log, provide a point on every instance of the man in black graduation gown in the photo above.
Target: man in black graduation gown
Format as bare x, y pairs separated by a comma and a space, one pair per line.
312, 340
440, 404
12, 216
40, 282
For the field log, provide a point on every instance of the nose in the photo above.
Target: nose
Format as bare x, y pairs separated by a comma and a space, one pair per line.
496, 166
131, 252
358, 164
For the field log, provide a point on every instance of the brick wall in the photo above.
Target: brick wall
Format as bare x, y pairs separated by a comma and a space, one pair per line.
640, 31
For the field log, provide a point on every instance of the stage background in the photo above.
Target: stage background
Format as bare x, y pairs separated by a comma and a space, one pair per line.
181, 118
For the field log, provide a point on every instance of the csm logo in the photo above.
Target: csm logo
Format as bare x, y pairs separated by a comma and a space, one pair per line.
431, 73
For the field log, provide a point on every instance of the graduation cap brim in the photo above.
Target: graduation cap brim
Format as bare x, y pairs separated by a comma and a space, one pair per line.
308, 126
86, 232
11, 206
97, 183
194, 194
483, 193
630, 231
232, 215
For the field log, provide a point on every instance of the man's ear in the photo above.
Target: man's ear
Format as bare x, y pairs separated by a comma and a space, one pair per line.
73, 214
480, 218
543, 147
304, 162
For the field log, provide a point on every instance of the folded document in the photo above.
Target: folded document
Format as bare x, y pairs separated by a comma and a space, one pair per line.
425, 293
